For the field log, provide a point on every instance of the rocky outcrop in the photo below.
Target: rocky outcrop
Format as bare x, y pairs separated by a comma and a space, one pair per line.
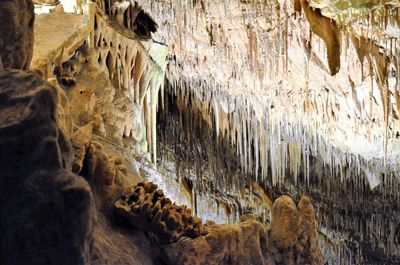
47, 212
81, 141
147, 208
130, 15
244, 243
291, 239
105, 171
293, 233
16, 31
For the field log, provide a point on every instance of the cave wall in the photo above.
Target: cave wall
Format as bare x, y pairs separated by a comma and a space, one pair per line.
264, 84
70, 128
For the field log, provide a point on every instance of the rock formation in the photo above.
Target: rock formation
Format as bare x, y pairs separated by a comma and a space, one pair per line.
293, 233
16, 33
225, 105
147, 208
47, 216
244, 243
328, 30
291, 239
48, 212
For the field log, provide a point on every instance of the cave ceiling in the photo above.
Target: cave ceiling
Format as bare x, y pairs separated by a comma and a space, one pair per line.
325, 82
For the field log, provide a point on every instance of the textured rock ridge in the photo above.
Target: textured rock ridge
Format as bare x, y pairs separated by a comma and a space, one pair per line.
244, 243
147, 208
291, 239
67, 161
47, 213
16, 31
293, 233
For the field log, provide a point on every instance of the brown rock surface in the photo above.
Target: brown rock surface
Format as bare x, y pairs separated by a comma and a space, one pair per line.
327, 29
16, 31
147, 208
291, 239
81, 140
57, 37
244, 243
293, 233
47, 216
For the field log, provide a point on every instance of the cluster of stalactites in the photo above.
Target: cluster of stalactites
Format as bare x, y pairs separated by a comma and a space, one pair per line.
237, 85
374, 31
131, 69
272, 147
129, 14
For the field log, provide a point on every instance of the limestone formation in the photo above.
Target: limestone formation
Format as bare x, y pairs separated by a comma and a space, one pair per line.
249, 111
293, 233
328, 30
47, 213
55, 45
65, 119
147, 208
293, 127
16, 31
106, 172
81, 141
135, 71
244, 243
291, 239
130, 15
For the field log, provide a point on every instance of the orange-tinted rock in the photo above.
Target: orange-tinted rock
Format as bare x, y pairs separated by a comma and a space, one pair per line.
327, 29
147, 208
291, 239
244, 243
293, 233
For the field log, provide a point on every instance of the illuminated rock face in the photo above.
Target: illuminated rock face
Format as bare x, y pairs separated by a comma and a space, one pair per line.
147, 208
261, 81
257, 81
262, 111
327, 29
291, 238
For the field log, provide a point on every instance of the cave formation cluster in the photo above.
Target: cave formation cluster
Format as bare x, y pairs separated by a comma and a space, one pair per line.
183, 132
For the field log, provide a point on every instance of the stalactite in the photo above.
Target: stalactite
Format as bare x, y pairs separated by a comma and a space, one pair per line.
324, 121
127, 59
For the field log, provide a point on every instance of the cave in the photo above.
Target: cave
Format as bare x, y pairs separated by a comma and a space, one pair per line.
176, 132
